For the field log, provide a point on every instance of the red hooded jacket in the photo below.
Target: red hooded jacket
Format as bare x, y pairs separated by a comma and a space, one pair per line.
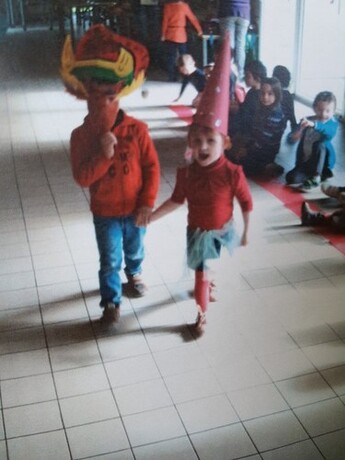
175, 16
129, 180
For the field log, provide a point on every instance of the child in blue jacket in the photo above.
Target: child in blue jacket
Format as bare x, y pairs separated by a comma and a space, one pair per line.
315, 157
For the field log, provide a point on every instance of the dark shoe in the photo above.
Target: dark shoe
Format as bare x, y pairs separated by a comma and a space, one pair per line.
309, 217
136, 286
273, 170
327, 173
111, 313
294, 178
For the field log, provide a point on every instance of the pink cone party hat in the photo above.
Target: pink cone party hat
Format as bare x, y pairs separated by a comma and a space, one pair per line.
213, 109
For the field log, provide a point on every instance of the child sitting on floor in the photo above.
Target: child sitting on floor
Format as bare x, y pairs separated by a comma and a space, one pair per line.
335, 219
255, 71
287, 103
315, 156
257, 152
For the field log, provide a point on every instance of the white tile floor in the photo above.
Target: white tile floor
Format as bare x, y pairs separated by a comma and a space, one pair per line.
266, 381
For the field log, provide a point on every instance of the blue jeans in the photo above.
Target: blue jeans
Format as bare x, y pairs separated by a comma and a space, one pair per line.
237, 28
117, 237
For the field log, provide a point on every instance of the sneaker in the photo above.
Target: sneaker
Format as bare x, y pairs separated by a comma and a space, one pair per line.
310, 184
111, 313
136, 285
309, 217
334, 192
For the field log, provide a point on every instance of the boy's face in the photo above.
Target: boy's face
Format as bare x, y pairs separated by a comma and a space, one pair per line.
102, 104
324, 110
250, 80
267, 96
207, 145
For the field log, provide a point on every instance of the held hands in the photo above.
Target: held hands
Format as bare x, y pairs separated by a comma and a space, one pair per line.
142, 217
108, 142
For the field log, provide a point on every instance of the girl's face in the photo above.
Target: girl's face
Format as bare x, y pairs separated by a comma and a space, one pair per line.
267, 96
207, 146
324, 110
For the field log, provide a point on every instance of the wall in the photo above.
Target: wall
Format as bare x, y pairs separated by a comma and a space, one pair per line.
308, 37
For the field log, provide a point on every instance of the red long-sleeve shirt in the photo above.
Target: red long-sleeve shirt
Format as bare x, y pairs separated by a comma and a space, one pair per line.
210, 193
123, 183
175, 17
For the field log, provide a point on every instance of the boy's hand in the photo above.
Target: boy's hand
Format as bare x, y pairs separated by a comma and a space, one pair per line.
143, 215
108, 142
306, 123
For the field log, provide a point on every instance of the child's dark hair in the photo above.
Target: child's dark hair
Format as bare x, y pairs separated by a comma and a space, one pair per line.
283, 74
325, 96
257, 69
276, 88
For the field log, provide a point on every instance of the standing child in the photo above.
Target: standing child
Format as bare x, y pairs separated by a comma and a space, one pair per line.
209, 185
234, 18
174, 33
315, 156
113, 155
288, 103
191, 74
261, 147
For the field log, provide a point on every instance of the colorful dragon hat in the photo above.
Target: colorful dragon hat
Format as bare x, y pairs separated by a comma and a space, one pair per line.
103, 55
213, 108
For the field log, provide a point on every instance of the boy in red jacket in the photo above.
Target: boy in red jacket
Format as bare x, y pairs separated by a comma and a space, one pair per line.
112, 154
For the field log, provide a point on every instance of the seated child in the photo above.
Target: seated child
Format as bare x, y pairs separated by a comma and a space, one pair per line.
315, 156
257, 151
191, 74
287, 103
255, 71
335, 219
237, 96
